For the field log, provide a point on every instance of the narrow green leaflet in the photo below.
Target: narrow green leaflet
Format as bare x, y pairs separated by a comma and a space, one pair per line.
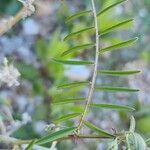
69, 100
71, 35
66, 117
116, 26
72, 84
79, 14
98, 130
72, 62
119, 45
55, 136
112, 106
116, 89
30, 146
109, 7
118, 72
74, 108
132, 124
80, 47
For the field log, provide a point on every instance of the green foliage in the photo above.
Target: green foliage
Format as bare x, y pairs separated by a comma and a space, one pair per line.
74, 34
110, 7
135, 142
113, 145
118, 72
119, 45
116, 89
56, 135
80, 47
73, 84
79, 14
98, 130
69, 62
66, 117
115, 27
112, 106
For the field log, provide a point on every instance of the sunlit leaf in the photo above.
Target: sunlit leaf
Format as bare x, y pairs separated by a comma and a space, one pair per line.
116, 89
30, 146
118, 72
113, 145
72, 84
55, 136
66, 117
112, 106
73, 62
135, 142
119, 45
79, 14
148, 141
74, 108
116, 26
132, 124
69, 100
80, 47
97, 130
110, 7
71, 35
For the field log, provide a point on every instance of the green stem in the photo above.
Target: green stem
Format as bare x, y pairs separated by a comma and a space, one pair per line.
14, 141
91, 90
11, 140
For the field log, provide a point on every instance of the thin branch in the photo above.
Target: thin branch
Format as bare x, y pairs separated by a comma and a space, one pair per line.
8, 24
12, 22
11, 140
14, 141
91, 90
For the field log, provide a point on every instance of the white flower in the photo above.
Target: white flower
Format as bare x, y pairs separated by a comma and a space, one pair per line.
29, 7
9, 74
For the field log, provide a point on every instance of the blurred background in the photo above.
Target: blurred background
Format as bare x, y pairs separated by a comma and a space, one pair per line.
29, 45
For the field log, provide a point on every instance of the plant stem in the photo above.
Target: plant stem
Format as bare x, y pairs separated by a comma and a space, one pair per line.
11, 140
14, 141
91, 90
12, 22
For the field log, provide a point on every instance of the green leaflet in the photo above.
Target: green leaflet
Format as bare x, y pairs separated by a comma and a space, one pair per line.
79, 14
55, 136
135, 142
72, 84
132, 124
80, 47
72, 62
118, 72
115, 26
71, 35
69, 100
98, 130
112, 106
116, 89
119, 45
113, 145
109, 7
74, 108
66, 117
30, 146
